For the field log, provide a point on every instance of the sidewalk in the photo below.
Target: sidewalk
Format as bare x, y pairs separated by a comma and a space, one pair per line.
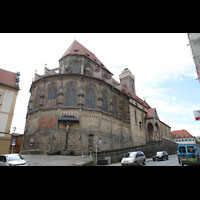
57, 160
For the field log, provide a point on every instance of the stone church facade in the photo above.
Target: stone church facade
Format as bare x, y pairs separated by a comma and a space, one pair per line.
78, 108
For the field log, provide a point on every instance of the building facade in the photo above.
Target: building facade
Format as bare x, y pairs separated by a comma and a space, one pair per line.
183, 137
9, 87
78, 107
194, 39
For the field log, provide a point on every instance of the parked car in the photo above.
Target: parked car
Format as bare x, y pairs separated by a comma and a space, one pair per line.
133, 158
160, 155
12, 160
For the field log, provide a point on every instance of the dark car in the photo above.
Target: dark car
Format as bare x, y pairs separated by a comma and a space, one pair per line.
160, 155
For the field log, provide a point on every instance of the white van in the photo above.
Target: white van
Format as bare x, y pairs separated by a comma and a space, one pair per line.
133, 158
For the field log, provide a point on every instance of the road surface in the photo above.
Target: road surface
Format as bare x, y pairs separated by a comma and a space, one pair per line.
173, 161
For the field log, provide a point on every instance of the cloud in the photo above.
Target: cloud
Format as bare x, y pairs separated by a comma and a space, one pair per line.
193, 129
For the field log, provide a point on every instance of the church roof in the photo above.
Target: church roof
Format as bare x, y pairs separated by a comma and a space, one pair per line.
151, 113
135, 97
78, 49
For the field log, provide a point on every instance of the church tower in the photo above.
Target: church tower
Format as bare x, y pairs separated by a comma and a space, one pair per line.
128, 80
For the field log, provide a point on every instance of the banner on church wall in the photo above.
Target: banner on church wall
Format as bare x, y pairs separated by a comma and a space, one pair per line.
197, 114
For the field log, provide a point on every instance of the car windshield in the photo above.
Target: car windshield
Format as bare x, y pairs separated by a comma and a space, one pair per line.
159, 153
130, 155
12, 157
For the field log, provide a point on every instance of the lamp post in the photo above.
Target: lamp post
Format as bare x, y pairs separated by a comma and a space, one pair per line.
14, 140
67, 131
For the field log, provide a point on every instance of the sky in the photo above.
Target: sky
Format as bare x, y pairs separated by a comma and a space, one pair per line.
162, 64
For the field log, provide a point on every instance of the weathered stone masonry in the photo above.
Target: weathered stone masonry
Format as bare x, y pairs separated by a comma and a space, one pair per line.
74, 106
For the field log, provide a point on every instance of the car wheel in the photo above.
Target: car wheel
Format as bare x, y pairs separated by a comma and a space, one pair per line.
181, 164
144, 162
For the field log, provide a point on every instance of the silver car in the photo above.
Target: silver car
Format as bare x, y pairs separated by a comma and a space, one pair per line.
12, 160
133, 158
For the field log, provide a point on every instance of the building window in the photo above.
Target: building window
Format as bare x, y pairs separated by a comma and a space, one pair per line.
90, 98
1, 98
37, 104
140, 126
71, 96
114, 106
123, 109
135, 116
52, 93
104, 102
87, 71
75, 69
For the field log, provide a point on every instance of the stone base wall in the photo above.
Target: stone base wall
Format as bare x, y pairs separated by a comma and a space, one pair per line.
50, 135
148, 149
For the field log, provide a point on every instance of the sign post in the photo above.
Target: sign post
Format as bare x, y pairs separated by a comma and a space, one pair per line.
13, 144
98, 140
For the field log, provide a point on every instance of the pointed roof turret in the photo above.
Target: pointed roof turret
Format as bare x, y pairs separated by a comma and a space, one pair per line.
78, 49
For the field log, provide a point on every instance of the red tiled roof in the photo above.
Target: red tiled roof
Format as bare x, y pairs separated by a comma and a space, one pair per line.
78, 49
8, 78
115, 82
135, 97
150, 113
181, 134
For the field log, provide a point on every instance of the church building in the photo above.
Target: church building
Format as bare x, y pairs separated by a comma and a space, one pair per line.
78, 106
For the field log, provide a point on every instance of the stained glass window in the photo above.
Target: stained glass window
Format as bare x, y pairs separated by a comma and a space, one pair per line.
71, 96
52, 93
104, 102
90, 98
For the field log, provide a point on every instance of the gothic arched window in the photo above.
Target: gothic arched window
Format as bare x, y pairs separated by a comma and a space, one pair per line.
88, 71
90, 98
115, 106
123, 109
104, 101
75, 69
37, 103
71, 96
37, 98
52, 93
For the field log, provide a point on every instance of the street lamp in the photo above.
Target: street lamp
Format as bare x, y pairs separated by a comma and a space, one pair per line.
67, 131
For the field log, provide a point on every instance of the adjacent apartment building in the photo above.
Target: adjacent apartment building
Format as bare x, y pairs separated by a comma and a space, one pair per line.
9, 87
194, 39
183, 137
